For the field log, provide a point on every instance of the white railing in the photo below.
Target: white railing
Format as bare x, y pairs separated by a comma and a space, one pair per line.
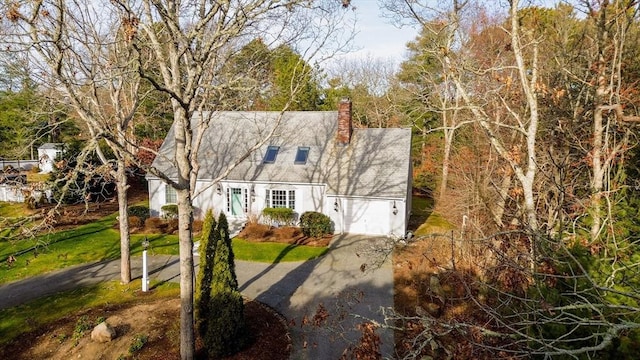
11, 193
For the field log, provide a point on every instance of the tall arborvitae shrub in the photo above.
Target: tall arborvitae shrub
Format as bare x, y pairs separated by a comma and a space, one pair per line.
226, 333
206, 250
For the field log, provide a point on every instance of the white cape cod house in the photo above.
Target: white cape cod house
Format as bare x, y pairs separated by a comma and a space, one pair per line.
315, 161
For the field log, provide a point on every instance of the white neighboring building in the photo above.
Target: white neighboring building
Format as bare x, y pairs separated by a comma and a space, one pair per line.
47, 154
316, 161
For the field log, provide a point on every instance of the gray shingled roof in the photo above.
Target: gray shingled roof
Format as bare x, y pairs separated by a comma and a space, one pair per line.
375, 164
47, 146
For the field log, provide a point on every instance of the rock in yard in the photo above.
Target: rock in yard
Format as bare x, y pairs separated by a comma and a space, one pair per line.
103, 332
436, 288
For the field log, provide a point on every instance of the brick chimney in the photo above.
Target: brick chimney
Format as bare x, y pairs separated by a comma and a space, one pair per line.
345, 124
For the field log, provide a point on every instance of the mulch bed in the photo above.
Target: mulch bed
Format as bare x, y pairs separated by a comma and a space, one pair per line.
284, 234
270, 339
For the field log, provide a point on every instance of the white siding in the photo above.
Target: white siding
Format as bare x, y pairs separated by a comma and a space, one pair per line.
156, 196
399, 221
354, 215
307, 197
367, 216
208, 197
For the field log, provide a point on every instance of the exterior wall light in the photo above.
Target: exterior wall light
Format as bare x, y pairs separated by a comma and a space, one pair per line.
395, 209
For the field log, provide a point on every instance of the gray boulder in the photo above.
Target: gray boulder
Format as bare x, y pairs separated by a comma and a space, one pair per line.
103, 332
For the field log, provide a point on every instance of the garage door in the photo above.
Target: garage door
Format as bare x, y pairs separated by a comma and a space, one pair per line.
366, 217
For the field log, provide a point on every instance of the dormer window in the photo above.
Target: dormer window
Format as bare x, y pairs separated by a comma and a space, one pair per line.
270, 156
302, 155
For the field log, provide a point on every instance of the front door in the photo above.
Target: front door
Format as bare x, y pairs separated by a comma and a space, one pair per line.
237, 201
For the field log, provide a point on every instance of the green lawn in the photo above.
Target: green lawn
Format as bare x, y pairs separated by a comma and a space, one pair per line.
274, 252
101, 241
435, 224
37, 177
30, 316
426, 221
94, 242
12, 210
11, 214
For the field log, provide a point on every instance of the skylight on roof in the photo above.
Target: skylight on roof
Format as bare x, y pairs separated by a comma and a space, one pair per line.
302, 155
270, 156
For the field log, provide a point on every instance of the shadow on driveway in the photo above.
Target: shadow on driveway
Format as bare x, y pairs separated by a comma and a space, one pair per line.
324, 299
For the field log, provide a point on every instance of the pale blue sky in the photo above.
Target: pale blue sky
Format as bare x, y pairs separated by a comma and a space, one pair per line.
376, 36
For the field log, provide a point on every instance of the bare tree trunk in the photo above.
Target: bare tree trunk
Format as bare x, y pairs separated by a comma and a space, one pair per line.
527, 123
597, 180
182, 131
448, 140
528, 87
123, 220
597, 167
503, 192
185, 219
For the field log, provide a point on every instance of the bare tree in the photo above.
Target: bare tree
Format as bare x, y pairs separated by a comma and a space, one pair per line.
431, 99
187, 45
368, 82
611, 22
83, 52
510, 122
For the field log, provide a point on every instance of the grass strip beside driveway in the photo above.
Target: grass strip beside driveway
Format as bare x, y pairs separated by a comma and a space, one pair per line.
274, 252
100, 241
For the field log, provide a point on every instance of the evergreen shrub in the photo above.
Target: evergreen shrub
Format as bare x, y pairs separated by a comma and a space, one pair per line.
315, 224
279, 216
142, 212
219, 303
169, 211
226, 331
206, 250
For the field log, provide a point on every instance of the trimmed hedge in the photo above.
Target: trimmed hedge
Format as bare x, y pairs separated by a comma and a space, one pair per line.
315, 224
169, 211
140, 211
280, 216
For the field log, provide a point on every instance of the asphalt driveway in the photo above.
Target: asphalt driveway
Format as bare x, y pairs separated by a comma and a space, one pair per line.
324, 300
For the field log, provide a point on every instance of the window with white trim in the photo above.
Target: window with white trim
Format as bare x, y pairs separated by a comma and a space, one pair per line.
170, 196
280, 198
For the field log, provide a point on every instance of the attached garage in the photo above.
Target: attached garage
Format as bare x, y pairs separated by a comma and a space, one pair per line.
366, 216
386, 217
